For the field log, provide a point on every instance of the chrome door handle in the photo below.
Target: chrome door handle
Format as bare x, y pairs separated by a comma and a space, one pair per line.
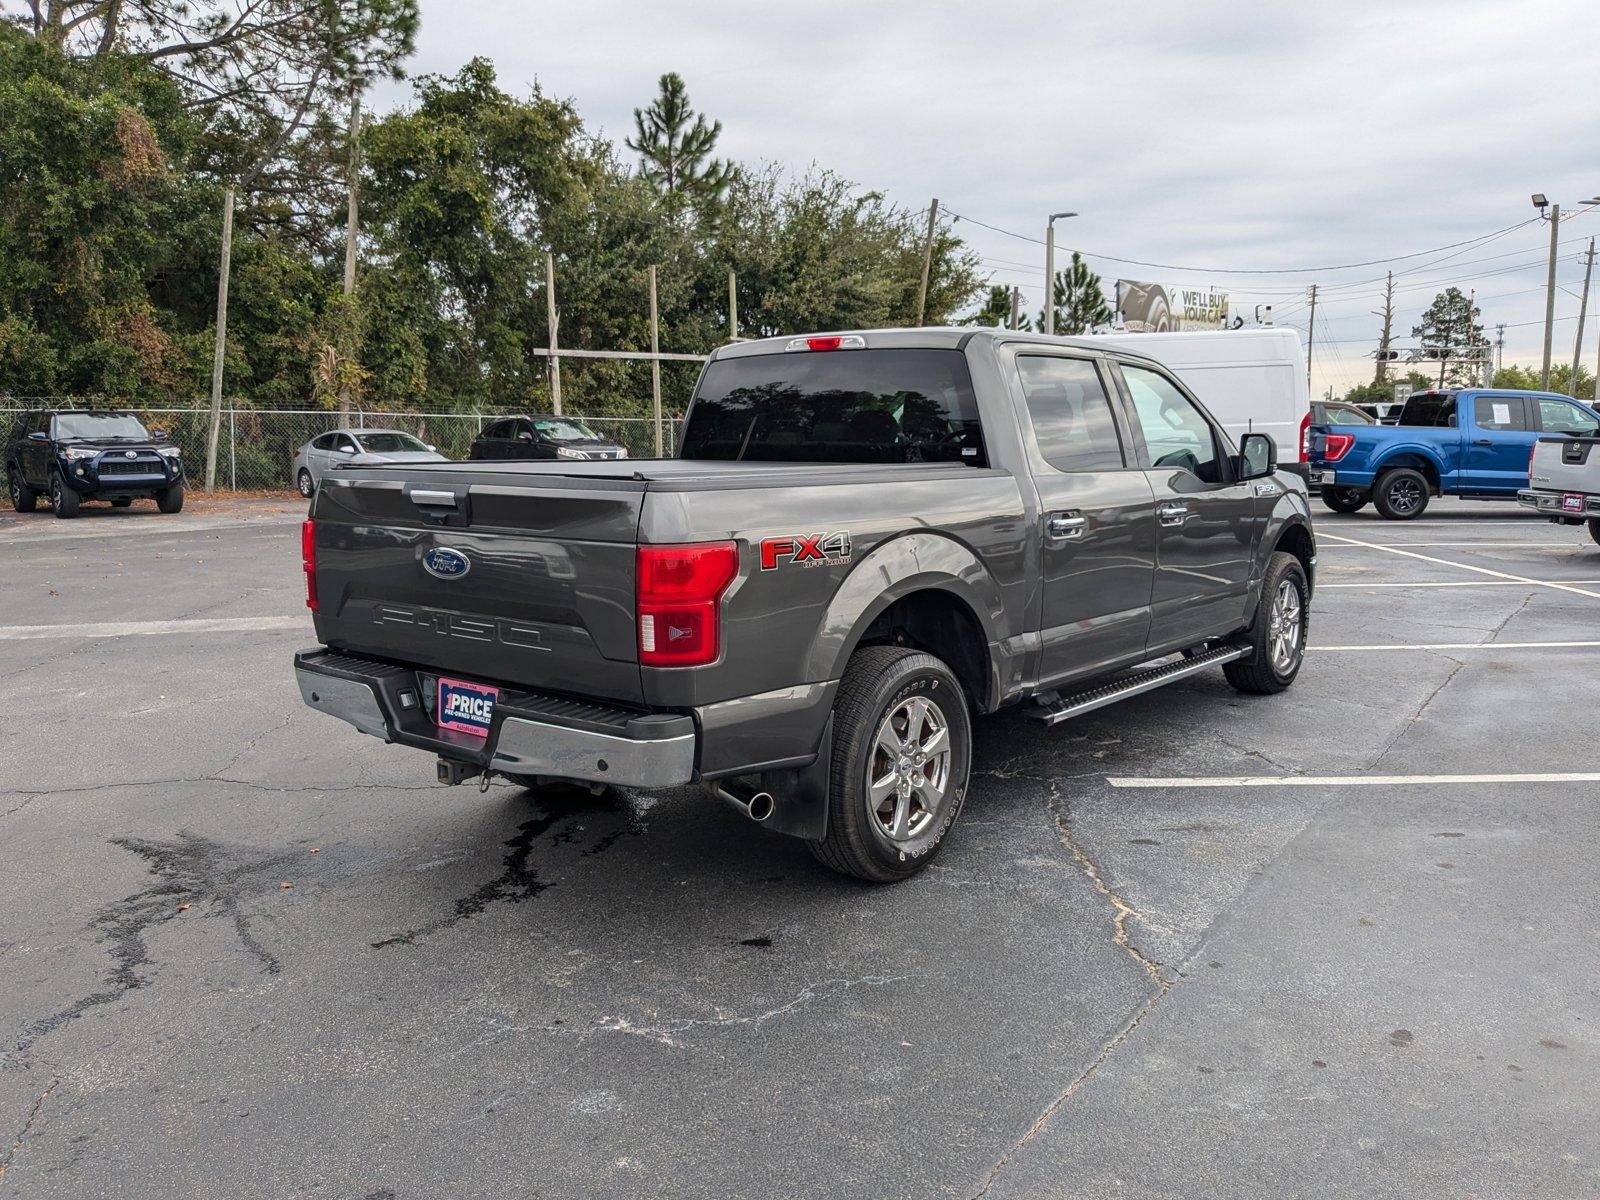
1062, 526
1171, 514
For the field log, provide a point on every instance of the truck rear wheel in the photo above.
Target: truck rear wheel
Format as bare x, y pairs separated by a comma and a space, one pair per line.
1344, 499
902, 751
23, 498
1277, 639
1594, 529
1401, 494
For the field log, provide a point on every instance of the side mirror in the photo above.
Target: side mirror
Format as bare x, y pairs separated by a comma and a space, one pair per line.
1258, 456
38, 435
344, 450
524, 436
433, 449
158, 435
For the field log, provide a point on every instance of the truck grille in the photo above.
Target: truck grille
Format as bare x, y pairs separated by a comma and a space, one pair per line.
143, 465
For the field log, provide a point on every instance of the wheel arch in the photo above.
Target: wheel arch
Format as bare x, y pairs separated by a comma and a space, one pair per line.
1415, 458
924, 590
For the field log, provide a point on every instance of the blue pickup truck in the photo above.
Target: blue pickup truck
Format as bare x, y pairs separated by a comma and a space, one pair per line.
1473, 442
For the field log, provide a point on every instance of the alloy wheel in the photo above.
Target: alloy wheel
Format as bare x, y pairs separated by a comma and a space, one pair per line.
908, 772
1283, 627
1405, 495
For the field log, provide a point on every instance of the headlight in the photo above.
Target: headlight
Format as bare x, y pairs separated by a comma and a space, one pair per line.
168, 451
74, 453
563, 452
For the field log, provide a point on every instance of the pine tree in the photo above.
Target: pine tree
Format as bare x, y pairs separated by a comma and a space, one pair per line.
674, 144
1448, 331
996, 310
1080, 300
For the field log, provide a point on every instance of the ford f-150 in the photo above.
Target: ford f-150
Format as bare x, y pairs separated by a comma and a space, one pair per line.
865, 539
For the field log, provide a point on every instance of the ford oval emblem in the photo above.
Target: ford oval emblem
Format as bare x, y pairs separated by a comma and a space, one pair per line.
443, 563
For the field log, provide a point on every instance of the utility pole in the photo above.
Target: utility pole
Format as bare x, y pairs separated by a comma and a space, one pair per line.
550, 315
1499, 350
1550, 297
1388, 323
222, 341
1016, 303
655, 362
1311, 335
1583, 311
927, 264
733, 306
352, 172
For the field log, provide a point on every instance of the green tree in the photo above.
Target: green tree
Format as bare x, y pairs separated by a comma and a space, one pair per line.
1448, 332
1080, 300
674, 144
1527, 379
996, 310
1384, 393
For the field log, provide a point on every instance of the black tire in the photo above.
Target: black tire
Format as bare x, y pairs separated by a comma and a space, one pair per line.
23, 498
1594, 529
63, 500
881, 684
122, 502
1261, 672
1401, 494
170, 500
1345, 500
304, 482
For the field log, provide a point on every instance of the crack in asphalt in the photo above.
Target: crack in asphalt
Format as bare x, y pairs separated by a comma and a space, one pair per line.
1417, 715
27, 1128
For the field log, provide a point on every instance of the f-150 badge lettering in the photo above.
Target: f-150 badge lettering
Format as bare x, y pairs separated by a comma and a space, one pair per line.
805, 549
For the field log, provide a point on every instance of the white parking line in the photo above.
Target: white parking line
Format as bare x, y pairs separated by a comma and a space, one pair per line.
1441, 545
113, 629
1456, 583
1466, 646
1445, 562
1204, 781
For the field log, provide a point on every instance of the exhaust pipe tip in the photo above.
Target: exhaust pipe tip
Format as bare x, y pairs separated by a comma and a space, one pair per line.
758, 806
761, 806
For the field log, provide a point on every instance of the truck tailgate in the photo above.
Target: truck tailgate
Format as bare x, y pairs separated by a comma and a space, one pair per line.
522, 577
1566, 464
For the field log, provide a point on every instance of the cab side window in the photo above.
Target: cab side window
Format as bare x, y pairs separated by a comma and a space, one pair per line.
1071, 413
1176, 432
1556, 416
1501, 413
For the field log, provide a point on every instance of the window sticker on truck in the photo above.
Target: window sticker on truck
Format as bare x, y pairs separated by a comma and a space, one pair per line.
810, 550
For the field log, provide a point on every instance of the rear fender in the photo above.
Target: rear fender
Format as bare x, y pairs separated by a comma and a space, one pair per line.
1423, 457
914, 562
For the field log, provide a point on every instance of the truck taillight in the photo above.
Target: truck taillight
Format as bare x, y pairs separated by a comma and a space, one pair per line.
1305, 437
832, 341
679, 592
308, 561
1336, 445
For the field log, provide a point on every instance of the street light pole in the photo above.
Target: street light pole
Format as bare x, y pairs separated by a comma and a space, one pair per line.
1050, 270
1550, 297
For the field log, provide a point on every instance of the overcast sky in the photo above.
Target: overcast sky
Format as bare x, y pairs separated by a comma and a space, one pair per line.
1207, 135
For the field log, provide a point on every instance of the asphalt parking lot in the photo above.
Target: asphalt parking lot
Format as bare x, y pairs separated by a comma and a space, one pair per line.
1342, 942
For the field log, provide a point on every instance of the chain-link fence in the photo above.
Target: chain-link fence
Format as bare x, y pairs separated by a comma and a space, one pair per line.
256, 446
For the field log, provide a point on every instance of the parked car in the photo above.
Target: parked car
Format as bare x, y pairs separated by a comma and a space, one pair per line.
1564, 481
1251, 380
864, 538
364, 446
1337, 412
77, 455
541, 438
1472, 442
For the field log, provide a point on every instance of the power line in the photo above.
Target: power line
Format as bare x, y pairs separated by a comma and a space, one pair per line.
1253, 270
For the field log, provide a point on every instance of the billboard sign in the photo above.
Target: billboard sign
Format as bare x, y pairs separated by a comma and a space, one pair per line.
1164, 307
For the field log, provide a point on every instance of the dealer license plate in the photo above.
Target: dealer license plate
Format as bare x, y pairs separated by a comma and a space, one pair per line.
466, 707
1572, 502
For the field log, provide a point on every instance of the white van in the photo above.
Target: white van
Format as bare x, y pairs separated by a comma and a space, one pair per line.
1252, 380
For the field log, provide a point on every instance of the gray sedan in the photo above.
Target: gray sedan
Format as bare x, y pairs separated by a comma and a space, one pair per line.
363, 446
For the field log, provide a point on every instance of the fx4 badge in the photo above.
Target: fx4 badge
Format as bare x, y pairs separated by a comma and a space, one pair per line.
807, 549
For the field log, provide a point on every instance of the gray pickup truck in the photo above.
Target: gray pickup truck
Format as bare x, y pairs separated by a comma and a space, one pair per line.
1564, 481
866, 538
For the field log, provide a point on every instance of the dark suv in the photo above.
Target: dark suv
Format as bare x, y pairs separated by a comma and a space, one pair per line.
79, 455
542, 437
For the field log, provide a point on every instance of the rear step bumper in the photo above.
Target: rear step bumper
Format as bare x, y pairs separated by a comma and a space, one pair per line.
533, 733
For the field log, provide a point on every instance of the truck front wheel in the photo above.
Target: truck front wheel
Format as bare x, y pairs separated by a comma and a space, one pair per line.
1401, 494
902, 751
1277, 638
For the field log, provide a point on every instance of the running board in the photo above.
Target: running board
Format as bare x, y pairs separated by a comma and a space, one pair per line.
1067, 707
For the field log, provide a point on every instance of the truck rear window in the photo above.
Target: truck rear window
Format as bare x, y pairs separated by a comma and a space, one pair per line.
861, 406
1430, 409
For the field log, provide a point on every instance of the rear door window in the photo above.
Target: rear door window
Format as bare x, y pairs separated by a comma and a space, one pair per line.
1504, 413
1071, 414
868, 406
1557, 416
